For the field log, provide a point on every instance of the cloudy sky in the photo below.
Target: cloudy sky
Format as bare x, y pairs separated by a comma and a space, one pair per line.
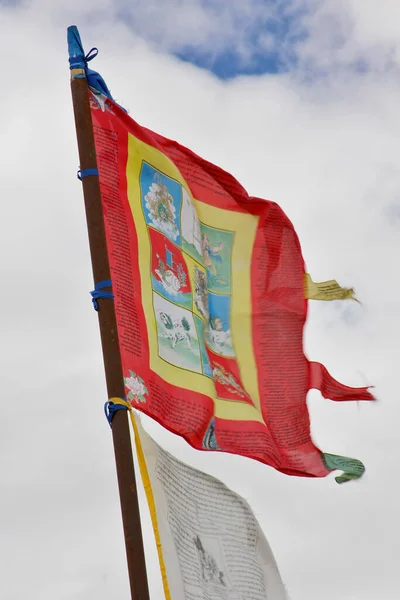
299, 100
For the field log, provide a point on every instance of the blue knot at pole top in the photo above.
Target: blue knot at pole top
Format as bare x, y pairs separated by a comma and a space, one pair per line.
77, 57
79, 60
99, 292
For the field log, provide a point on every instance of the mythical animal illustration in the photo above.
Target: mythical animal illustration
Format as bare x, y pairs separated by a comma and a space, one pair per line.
176, 330
160, 205
220, 340
222, 376
211, 257
209, 568
172, 282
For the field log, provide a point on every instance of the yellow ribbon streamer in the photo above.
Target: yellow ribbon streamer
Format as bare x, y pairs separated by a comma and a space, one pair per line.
149, 493
326, 290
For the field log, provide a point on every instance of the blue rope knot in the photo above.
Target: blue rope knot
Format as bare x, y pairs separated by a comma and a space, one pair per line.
79, 59
93, 52
99, 292
110, 408
86, 172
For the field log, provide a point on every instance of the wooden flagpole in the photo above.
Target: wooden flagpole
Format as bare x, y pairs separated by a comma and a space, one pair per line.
109, 335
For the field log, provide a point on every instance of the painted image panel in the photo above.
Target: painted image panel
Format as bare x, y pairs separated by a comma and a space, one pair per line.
178, 341
169, 272
161, 201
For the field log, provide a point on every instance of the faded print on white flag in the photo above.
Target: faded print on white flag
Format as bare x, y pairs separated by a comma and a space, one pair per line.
212, 545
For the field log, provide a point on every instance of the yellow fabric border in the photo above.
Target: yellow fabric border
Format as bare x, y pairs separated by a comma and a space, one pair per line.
149, 494
244, 227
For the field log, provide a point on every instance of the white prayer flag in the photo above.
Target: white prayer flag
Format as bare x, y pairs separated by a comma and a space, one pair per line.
210, 544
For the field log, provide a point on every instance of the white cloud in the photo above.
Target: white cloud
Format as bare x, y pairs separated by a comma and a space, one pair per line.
327, 152
323, 34
351, 33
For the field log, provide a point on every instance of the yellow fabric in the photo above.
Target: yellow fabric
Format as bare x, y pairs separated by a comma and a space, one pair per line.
149, 494
326, 290
244, 226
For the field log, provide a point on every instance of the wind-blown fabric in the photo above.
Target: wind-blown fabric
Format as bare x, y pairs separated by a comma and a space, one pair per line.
209, 542
210, 299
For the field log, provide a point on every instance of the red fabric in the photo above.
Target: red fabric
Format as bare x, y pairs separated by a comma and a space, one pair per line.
279, 311
321, 380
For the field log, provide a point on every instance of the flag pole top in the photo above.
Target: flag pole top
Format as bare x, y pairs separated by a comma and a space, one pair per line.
78, 64
77, 57
76, 54
74, 41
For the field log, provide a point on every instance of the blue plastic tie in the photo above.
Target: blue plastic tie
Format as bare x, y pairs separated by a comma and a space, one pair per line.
110, 409
99, 292
86, 173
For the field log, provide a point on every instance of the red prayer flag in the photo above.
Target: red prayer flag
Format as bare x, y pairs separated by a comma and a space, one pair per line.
210, 301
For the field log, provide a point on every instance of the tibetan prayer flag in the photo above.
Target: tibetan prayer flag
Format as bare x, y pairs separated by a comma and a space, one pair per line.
327, 290
209, 542
210, 299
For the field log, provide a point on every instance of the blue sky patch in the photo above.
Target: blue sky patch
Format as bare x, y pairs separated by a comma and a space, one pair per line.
227, 39
276, 56
228, 64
